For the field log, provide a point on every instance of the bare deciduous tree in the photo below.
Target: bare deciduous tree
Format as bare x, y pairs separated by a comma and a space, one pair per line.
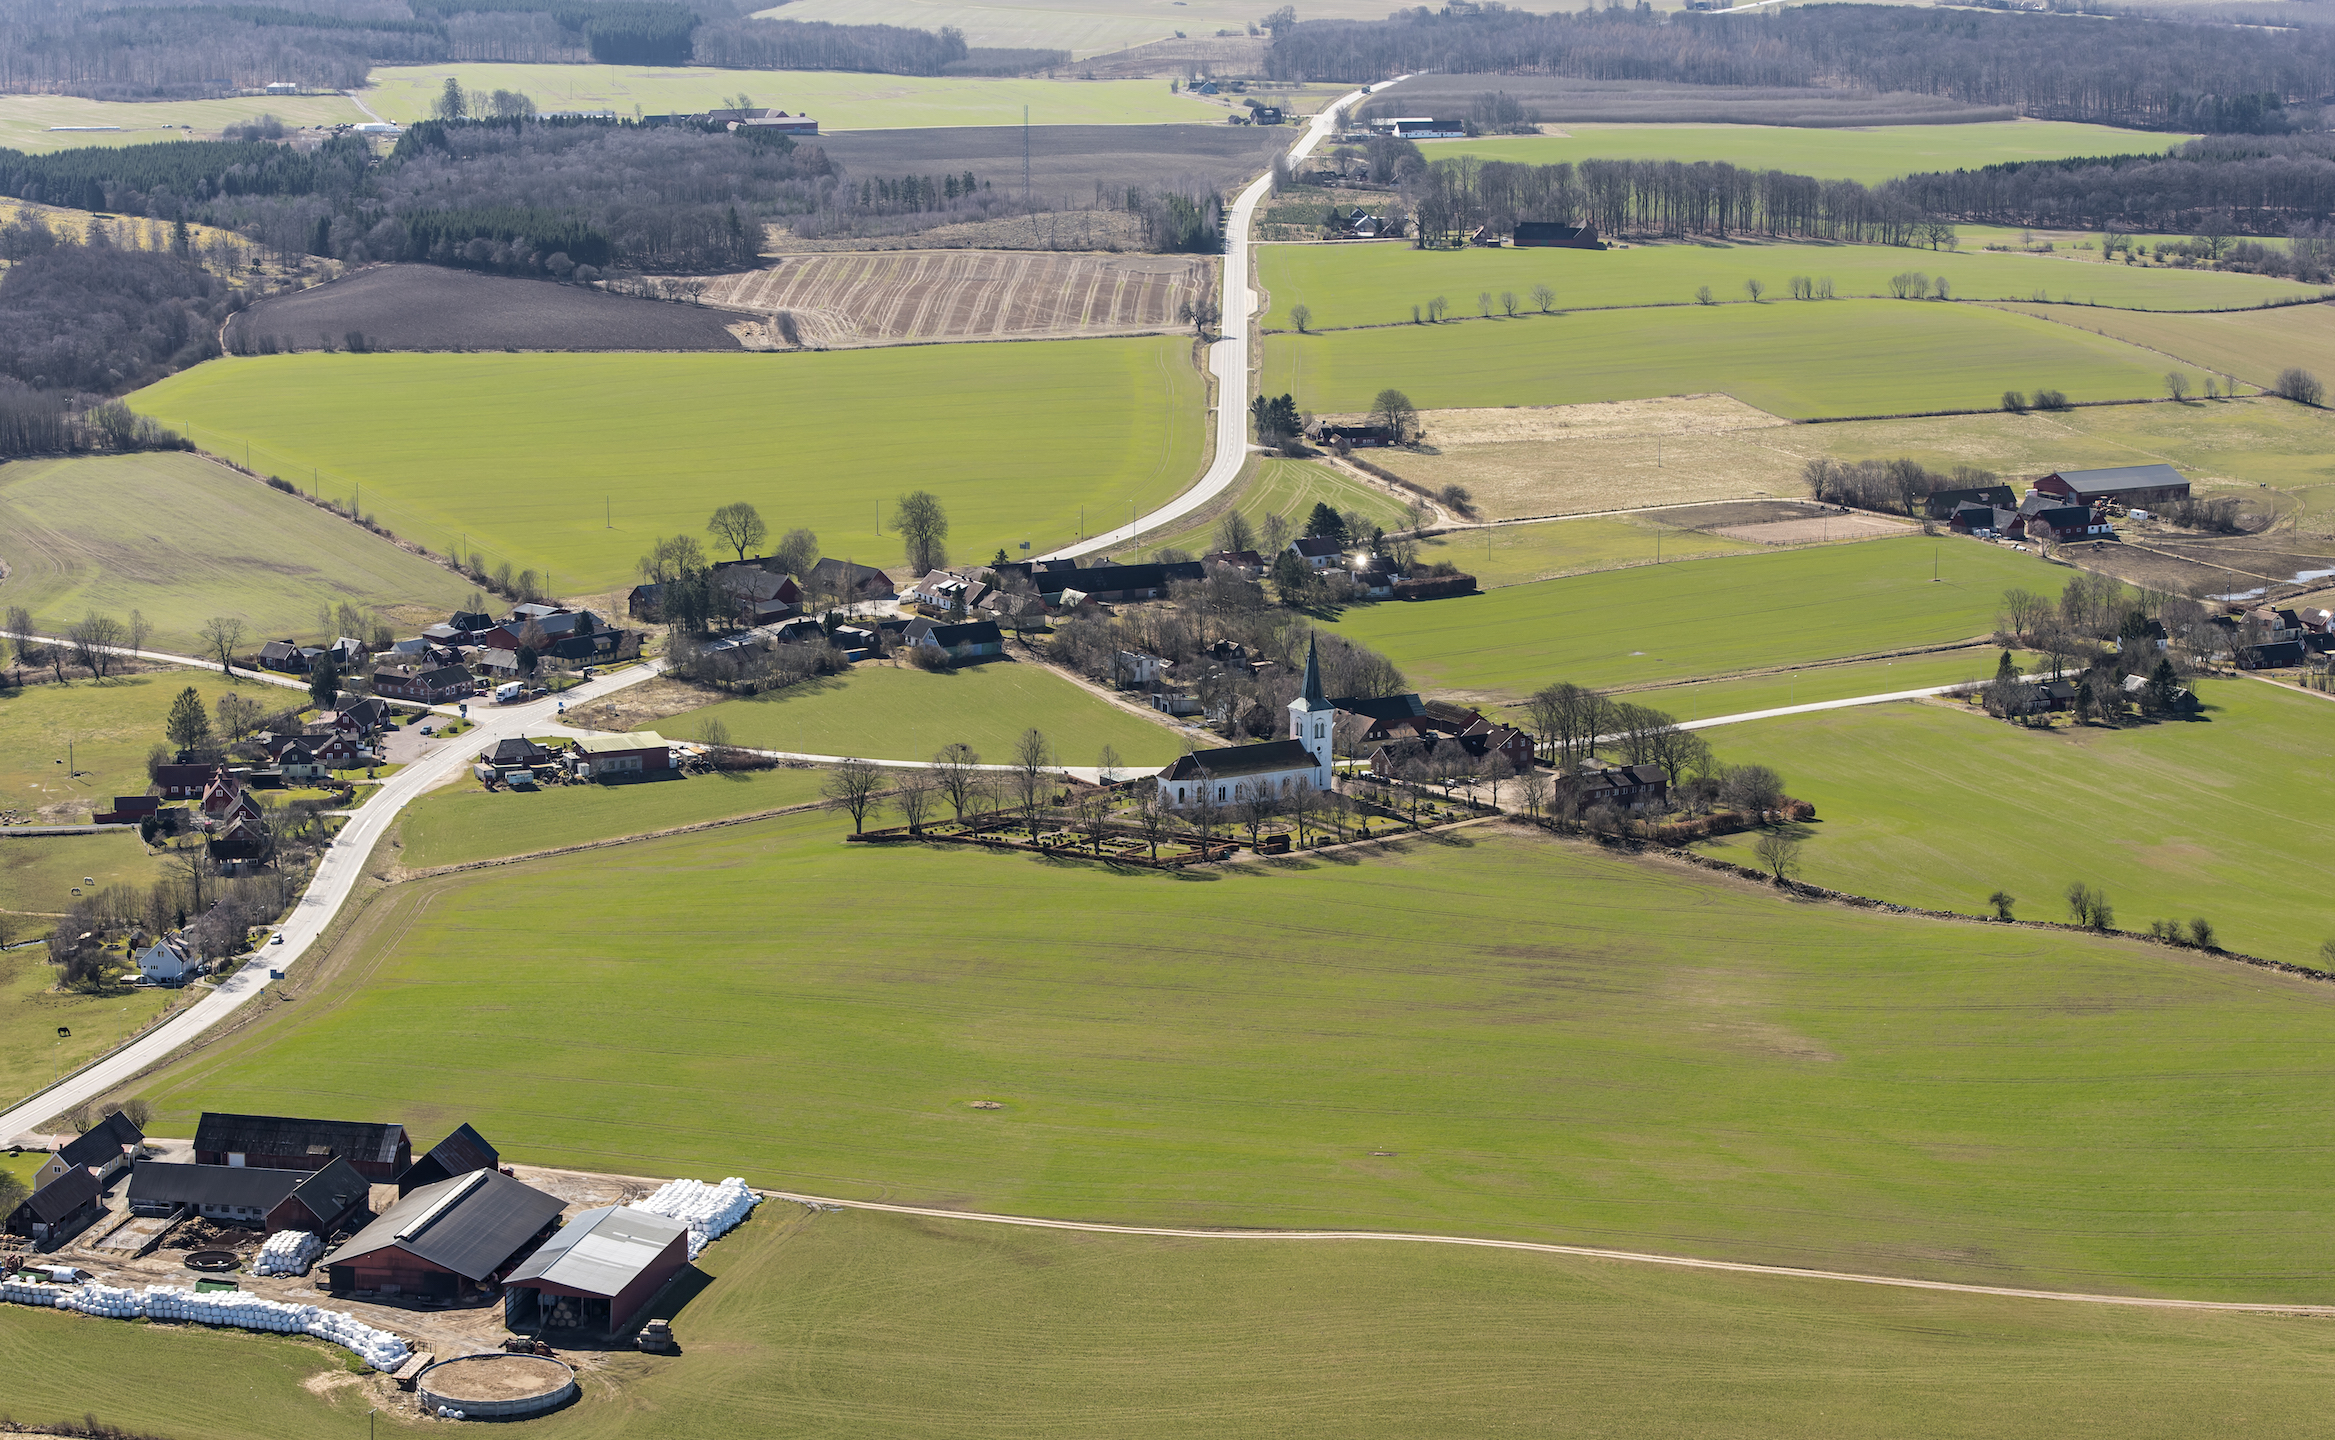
956, 769
1779, 854
853, 784
222, 634
1544, 298
95, 639
1154, 820
914, 797
1032, 758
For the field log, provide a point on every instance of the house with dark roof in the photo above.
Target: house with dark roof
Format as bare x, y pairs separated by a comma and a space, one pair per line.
853, 582
597, 1272
1354, 434
2116, 485
317, 1201
1319, 552
429, 684
184, 782
379, 1151
2062, 524
515, 752
1247, 562
1941, 504
973, 640
58, 1210
1530, 234
458, 1154
1624, 787
2271, 655
446, 1238
104, 1147
286, 657
1112, 584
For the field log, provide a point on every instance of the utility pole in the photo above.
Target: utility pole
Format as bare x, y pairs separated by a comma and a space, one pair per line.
607, 513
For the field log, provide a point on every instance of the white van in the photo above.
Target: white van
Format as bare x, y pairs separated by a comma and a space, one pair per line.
508, 692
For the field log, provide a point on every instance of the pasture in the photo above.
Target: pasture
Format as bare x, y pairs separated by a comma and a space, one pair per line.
504, 454
2254, 347
110, 724
1639, 1055
1700, 618
64, 1367
1870, 154
857, 1324
38, 873
464, 823
838, 99
897, 712
25, 120
1807, 685
1521, 554
871, 298
1290, 489
2221, 817
1083, 27
33, 1010
1346, 285
180, 539
1795, 359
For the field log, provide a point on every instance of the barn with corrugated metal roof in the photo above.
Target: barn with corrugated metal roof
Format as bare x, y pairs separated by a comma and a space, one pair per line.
598, 1273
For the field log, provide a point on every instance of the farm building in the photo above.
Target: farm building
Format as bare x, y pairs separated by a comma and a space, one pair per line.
458, 1154
184, 782
2118, 485
1352, 434
1549, 234
1941, 504
105, 1147
604, 757
2271, 655
973, 640
597, 1272
129, 810
318, 1201
378, 1151
446, 1237
852, 582
58, 1210
429, 684
1108, 583
2065, 523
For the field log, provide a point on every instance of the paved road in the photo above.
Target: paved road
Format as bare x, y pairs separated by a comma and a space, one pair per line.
336, 876
1635, 1257
1815, 705
1228, 358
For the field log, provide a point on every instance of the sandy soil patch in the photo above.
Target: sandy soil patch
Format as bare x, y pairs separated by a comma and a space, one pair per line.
638, 707
1815, 529
876, 297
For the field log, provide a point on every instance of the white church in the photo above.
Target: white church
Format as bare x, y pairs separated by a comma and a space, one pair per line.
1273, 766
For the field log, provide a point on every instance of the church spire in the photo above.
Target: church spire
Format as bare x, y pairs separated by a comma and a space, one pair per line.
1312, 693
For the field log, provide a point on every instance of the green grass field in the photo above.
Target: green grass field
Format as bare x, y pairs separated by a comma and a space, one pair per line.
1289, 488
38, 874
111, 724
1799, 360
839, 100
1868, 153
512, 450
854, 1324
1702, 699
884, 712
2220, 817
182, 539
455, 826
1700, 618
2253, 347
32, 1011
1636, 1055
191, 1381
1521, 554
1378, 284
25, 120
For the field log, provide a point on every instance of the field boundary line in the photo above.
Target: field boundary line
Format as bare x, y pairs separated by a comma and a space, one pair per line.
435, 871
1584, 1252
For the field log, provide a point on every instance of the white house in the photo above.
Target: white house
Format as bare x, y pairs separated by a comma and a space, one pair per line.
1272, 767
1319, 552
170, 960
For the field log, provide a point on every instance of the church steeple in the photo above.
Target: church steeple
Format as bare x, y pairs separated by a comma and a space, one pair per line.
1311, 714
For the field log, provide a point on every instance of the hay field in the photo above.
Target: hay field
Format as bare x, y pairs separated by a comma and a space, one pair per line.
1870, 154
886, 712
1643, 1056
1701, 618
512, 451
25, 119
464, 822
1854, 357
838, 99
863, 298
1346, 285
2252, 346
182, 539
2224, 817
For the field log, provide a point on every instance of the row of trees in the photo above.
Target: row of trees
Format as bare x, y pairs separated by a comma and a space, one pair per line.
2215, 188
2159, 75
1896, 487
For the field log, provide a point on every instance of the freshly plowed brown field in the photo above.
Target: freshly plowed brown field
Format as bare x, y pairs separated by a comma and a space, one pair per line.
879, 297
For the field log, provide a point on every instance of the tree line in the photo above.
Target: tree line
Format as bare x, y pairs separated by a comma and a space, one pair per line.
2154, 74
108, 52
2222, 186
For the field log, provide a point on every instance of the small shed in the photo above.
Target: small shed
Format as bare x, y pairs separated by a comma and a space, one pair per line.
598, 1272
603, 757
60, 1208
